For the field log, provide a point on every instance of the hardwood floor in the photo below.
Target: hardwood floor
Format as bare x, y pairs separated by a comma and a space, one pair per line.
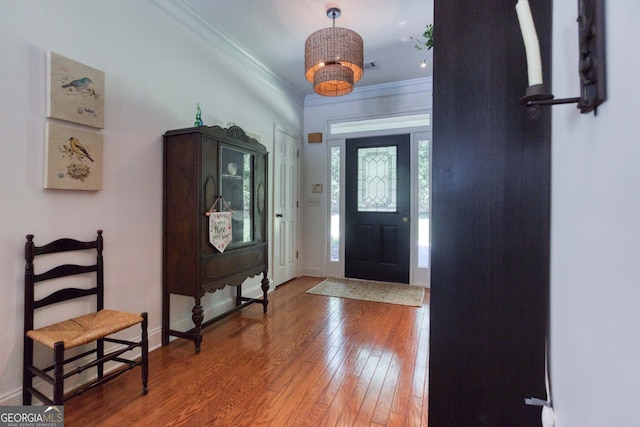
310, 361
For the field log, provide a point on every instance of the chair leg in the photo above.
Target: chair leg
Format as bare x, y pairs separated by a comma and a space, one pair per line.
58, 373
27, 377
100, 355
145, 354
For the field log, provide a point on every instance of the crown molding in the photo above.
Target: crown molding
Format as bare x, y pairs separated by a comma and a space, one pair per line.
193, 20
405, 87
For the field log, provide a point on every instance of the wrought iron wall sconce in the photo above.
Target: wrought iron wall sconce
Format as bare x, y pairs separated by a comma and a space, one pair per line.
591, 65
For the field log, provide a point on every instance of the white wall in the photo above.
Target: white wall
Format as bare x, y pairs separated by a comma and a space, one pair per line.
156, 71
412, 96
595, 264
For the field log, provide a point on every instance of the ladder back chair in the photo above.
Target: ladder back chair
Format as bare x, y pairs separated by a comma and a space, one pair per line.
92, 329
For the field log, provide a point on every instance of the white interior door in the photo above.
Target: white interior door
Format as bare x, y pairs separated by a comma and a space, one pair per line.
285, 206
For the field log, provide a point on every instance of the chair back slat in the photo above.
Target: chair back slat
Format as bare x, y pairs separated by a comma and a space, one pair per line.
65, 270
64, 245
64, 295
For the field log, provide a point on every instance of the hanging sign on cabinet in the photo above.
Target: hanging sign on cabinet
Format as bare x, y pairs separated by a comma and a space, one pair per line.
220, 229
220, 225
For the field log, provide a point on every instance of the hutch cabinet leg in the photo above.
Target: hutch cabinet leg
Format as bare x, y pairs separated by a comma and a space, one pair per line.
238, 295
197, 316
166, 309
265, 289
145, 352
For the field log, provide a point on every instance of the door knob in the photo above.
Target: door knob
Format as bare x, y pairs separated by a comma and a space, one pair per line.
278, 215
405, 219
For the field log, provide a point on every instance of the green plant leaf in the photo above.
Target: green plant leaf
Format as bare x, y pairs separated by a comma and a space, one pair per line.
427, 41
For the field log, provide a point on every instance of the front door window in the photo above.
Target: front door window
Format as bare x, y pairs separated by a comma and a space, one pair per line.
377, 179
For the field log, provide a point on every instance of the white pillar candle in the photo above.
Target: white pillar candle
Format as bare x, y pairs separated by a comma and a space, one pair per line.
531, 44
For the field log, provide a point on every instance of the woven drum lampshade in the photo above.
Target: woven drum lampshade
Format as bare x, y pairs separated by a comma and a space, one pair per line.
333, 59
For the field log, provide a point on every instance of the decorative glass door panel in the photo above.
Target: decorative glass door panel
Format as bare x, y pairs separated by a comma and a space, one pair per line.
377, 179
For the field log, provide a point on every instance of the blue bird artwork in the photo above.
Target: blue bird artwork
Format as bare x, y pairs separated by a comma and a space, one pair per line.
82, 86
78, 84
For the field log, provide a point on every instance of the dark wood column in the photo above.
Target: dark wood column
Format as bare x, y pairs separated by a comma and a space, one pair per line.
490, 219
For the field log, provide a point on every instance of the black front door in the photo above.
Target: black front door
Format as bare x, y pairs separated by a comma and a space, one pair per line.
377, 204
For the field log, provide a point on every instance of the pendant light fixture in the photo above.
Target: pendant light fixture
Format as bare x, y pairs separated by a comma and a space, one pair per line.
333, 58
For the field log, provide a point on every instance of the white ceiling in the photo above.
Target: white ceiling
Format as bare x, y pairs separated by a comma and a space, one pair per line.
274, 32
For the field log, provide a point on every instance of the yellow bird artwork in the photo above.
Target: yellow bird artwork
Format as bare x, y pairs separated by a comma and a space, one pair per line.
79, 149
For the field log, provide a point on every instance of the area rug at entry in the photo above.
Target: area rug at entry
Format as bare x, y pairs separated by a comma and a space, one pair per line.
370, 291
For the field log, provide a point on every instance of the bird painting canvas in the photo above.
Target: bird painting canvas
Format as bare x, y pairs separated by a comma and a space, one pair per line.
73, 158
75, 91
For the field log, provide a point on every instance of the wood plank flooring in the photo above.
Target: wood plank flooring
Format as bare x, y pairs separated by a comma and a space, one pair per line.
310, 361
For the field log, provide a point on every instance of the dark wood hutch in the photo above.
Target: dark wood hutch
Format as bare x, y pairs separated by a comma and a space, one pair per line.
207, 168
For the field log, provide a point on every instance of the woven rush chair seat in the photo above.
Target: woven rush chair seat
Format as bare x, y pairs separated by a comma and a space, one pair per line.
85, 329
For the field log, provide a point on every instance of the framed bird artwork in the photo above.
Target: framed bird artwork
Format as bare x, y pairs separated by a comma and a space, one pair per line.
73, 158
75, 92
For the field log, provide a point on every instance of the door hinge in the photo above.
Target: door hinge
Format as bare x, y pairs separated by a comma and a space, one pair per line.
296, 254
